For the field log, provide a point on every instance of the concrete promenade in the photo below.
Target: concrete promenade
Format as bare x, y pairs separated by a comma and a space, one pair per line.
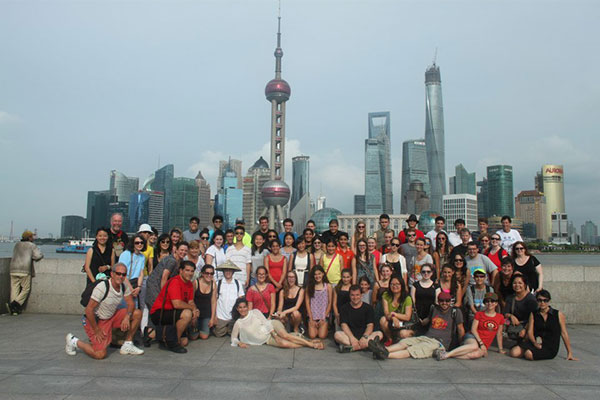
33, 365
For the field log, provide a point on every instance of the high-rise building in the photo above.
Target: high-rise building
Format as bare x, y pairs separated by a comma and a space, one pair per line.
348, 222
530, 207
146, 207
463, 206
121, 186
72, 226
300, 178
97, 210
463, 181
434, 136
229, 165
184, 202
229, 200
321, 202
203, 200
121, 207
560, 228
552, 180
482, 198
276, 193
415, 199
359, 204
163, 182
500, 190
378, 165
589, 233
258, 174
414, 168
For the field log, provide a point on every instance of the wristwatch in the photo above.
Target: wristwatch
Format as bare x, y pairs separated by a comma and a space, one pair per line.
365, 336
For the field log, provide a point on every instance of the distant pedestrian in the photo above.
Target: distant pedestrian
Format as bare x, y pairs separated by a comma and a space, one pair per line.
21, 271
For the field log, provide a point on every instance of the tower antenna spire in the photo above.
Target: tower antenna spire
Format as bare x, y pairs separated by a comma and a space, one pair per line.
435, 55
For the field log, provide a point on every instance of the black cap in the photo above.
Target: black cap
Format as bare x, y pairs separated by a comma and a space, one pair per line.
413, 217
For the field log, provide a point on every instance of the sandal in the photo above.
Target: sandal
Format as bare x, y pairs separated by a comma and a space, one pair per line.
318, 345
147, 338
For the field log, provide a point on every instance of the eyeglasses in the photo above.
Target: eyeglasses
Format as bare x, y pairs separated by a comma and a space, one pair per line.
120, 273
542, 300
487, 301
484, 240
519, 248
411, 235
138, 242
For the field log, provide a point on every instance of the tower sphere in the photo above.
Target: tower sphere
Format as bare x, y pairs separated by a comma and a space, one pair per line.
278, 90
275, 193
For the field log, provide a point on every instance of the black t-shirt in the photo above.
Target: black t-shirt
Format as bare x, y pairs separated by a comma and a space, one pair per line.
528, 269
357, 319
522, 308
119, 237
459, 249
328, 235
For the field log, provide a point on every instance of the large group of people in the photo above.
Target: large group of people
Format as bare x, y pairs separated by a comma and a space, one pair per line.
396, 294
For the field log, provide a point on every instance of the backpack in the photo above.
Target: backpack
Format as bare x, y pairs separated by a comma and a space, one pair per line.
87, 292
237, 284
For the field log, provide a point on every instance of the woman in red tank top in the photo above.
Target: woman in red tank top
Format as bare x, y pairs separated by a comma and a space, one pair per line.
276, 264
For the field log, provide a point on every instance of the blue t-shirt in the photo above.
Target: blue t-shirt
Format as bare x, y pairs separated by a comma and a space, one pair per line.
134, 265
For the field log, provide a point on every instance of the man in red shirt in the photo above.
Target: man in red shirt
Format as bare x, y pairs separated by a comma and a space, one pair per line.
344, 250
411, 223
174, 308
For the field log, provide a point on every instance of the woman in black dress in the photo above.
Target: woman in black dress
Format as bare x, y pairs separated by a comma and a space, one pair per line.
290, 302
100, 257
529, 266
545, 328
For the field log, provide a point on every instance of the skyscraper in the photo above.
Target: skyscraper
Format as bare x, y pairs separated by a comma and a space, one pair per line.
530, 207
589, 233
163, 182
121, 186
146, 207
462, 182
414, 168
229, 200
434, 136
359, 204
415, 199
184, 202
463, 206
97, 210
482, 198
378, 165
258, 174
72, 226
300, 178
500, 190
552, 179
229, 165
276, 193
203, 200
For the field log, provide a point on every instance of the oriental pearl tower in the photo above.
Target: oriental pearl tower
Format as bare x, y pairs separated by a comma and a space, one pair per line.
276, 193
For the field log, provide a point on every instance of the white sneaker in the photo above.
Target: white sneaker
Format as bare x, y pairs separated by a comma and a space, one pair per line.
69, 348
129, 348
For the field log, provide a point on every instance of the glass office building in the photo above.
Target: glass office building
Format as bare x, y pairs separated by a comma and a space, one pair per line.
434, 136
414, 168
378, 165
500, 198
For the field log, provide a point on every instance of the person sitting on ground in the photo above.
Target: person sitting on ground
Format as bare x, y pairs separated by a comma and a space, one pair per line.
261, 295
205, 298
356, 319
318, 299
487, 325
341, 296
291, 299
101, 316
445, 329
518, 307
449, 284
397, 310
174, 309
545, 328
228, 291
251, 328
365, 289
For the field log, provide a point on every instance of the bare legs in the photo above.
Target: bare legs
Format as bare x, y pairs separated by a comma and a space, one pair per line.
317, 328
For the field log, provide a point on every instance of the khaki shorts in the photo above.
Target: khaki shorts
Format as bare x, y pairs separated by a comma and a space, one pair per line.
277, 325
421, 346
223, 327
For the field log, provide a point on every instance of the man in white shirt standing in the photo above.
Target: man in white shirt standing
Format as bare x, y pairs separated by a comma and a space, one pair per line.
228, 291
508, 236
454, 237
440, 222
241, 256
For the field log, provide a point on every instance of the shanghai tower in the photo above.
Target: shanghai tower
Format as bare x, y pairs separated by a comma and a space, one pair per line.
434, 136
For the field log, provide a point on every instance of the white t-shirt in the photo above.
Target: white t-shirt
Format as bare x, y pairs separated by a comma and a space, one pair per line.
107, 307
228, 294
241, 258
509, 238
218, 258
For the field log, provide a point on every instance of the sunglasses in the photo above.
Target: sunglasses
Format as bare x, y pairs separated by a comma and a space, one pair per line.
165, 241
459, 260
395, 244
239, 233
208, 273
204, 237
425, 272
138, 242
120, 273
519, 248
443, 301
487, 301
541, 300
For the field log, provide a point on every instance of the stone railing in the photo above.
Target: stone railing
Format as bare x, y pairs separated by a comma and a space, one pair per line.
58, 284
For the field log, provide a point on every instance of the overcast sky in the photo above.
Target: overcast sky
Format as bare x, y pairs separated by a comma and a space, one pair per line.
90, 86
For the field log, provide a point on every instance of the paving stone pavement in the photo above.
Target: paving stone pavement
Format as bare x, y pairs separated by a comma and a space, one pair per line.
33, 365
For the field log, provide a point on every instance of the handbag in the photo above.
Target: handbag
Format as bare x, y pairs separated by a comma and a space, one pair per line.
512, 332
133, 282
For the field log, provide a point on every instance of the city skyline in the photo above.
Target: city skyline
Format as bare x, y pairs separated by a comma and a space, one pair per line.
123, 84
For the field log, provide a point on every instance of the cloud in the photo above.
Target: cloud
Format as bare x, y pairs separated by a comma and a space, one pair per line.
8, 118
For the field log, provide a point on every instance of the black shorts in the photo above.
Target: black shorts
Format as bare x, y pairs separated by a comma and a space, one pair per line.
169, 317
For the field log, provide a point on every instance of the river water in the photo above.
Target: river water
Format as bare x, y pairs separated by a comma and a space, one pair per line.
546, 258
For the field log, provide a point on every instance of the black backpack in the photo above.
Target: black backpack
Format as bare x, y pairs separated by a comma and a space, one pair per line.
87, 293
